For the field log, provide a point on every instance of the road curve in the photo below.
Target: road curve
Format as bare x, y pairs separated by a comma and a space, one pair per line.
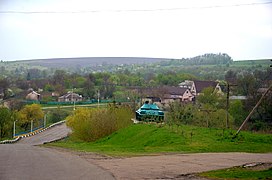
56, 132
22, 160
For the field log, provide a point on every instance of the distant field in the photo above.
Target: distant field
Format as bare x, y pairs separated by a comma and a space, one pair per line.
147, 139
252, 63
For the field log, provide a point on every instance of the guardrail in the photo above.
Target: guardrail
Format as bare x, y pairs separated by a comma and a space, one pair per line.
30, 134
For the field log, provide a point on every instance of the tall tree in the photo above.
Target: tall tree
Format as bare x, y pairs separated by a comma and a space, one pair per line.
89, 86
5, 121
4, 85
59, 77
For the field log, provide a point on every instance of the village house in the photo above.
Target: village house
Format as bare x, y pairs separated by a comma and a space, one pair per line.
177, 94
70, 97
196, 87
33, 96
167, 94
185, 92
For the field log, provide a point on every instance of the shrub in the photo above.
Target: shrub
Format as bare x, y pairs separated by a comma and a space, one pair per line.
93, 124
57, 115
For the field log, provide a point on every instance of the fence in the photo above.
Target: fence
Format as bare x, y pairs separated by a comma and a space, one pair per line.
93, 101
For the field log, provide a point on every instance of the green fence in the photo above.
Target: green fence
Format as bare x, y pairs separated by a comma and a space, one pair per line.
93, 101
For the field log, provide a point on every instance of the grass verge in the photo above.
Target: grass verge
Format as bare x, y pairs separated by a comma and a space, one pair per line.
238, 173
151, 139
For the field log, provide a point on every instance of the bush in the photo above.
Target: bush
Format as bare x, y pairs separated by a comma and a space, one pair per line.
57, 115
207, 116
92, 124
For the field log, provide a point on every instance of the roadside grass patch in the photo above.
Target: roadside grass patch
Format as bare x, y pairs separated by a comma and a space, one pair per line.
238, 173
141, 139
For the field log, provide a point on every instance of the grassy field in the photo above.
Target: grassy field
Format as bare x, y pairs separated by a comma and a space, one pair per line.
249, 63
151, 139
238, 173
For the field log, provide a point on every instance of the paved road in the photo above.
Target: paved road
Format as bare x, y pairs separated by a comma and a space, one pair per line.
23, 161
50, 134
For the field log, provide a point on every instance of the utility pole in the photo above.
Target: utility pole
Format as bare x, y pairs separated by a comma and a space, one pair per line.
255, 107
227, 120
227, 105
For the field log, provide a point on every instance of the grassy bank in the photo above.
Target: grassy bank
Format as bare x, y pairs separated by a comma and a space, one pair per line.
148, 139
238, 173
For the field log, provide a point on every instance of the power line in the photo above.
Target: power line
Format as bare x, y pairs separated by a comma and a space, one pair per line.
132, 10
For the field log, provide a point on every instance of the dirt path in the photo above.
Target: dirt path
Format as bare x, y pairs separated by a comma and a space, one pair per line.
172, 166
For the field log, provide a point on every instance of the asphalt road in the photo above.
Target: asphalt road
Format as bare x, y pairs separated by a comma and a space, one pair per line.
23, 161
50, 134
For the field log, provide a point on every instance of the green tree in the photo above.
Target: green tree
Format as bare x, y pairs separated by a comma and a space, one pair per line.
5, 121
4, 85
30, 113
59, 77
208, 96
57, 115
238, 112
89, 86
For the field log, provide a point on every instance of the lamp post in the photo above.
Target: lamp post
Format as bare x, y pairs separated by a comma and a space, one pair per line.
31, 129
14, 128
74, 107
44, 120
98, 96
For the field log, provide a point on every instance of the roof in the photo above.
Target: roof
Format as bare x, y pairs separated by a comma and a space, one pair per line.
200, 85
170, 90
72, 95
175, 90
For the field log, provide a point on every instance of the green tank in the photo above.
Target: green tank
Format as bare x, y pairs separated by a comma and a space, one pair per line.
149, 112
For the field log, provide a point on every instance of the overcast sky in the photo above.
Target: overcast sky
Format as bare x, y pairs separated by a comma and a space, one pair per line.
33, 29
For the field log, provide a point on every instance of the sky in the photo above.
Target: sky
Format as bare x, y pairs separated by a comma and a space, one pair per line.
31, 29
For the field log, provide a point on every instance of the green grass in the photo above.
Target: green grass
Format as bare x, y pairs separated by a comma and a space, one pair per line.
238, 173
151, 139
249, 63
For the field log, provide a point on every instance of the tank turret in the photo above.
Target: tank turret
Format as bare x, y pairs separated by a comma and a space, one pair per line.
149, 112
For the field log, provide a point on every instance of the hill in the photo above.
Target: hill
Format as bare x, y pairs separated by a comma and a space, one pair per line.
145, 139
89, 61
